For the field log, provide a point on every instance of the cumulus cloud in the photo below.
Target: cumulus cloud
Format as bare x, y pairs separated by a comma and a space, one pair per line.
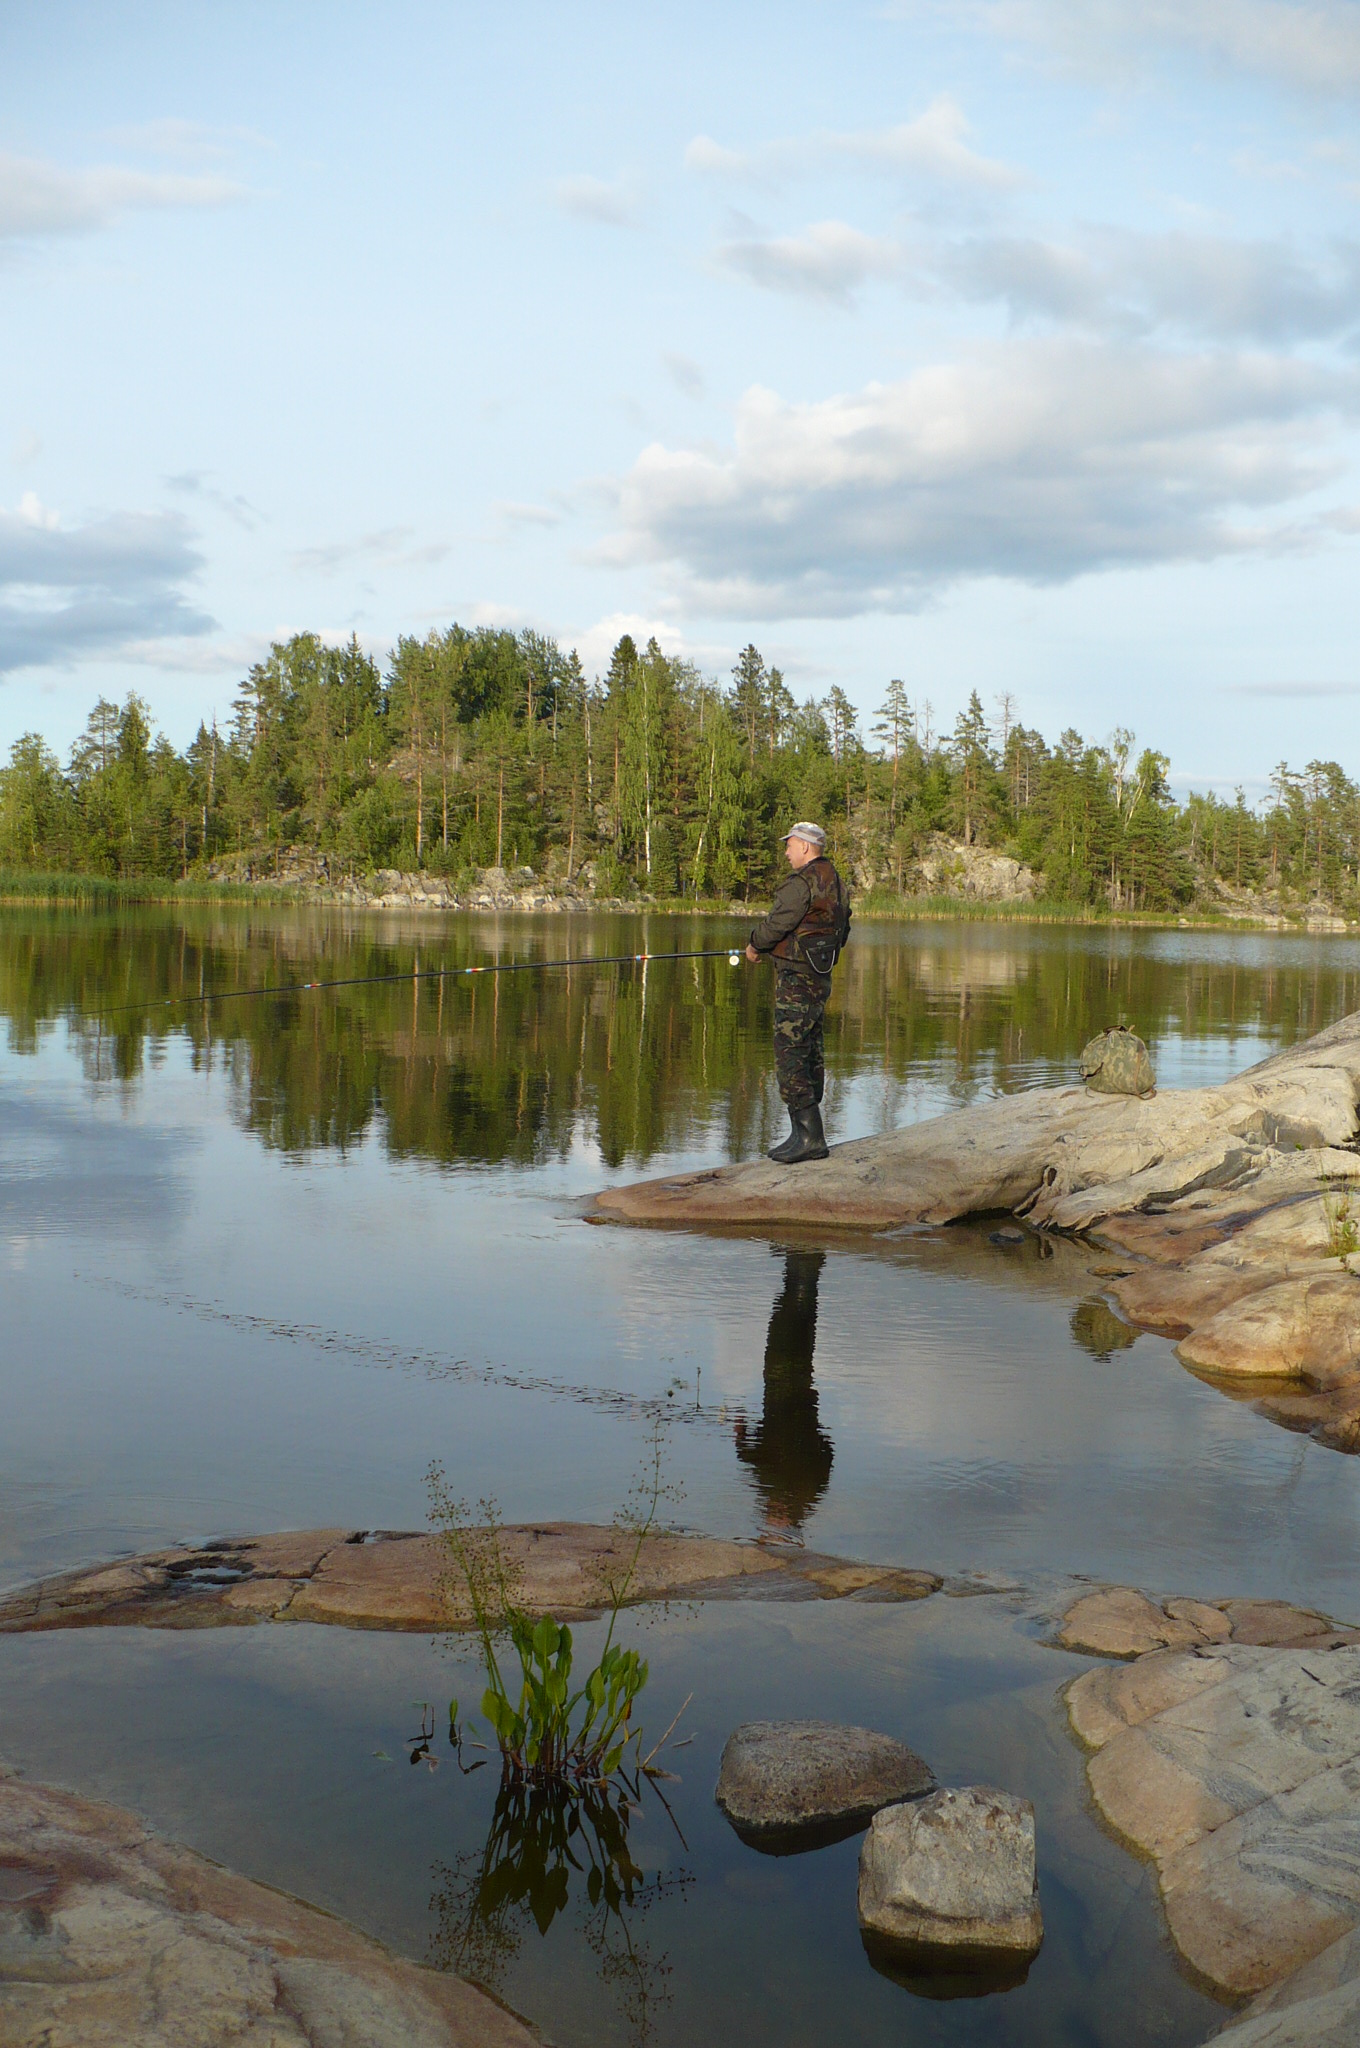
1313, 45
38, 198
615, 204
934, 144
69, 592
1041, 461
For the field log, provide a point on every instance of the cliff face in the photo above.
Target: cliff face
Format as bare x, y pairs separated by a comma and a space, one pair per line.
976, 874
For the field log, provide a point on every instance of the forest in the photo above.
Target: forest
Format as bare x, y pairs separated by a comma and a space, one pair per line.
478, 748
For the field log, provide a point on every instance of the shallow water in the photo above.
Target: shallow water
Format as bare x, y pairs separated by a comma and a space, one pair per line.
262, 1260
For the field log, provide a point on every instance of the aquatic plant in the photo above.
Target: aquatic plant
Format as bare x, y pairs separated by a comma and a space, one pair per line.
545, 1728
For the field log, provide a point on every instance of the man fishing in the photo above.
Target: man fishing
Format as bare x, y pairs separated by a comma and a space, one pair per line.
807, 926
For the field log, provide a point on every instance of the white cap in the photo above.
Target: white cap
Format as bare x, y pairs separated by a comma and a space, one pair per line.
812, 834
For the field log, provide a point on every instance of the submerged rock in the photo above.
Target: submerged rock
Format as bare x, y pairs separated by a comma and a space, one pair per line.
788, 1782
109, 1937
389, 1579
953, 1871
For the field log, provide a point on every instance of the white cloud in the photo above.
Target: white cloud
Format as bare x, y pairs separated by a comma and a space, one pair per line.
934, 144
1313, 45
827, 261
1214, 287
529, 515
1040, 461
598, 641
705, 155
186, 142
1107, 280
38, 198
26, 447
615, 205
71, 592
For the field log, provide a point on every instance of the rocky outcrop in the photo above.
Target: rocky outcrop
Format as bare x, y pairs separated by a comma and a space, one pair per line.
1236, 1209
384, 1579
975, 874
1237, 1770
109, 1936
790, 1784
300, 872
954, 1871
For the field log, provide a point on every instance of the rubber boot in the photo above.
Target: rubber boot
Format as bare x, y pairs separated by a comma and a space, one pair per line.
786, 1147
806, 1140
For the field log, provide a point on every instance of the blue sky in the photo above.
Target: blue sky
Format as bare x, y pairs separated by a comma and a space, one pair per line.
1011, 345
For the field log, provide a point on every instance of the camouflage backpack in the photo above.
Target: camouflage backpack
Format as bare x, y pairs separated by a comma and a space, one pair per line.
1116, 1063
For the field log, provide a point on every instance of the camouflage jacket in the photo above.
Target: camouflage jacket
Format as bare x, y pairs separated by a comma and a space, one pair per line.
809, 920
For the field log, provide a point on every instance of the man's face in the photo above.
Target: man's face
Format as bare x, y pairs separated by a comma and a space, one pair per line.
798, 852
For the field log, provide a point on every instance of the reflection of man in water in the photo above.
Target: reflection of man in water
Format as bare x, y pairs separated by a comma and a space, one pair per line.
787, 1450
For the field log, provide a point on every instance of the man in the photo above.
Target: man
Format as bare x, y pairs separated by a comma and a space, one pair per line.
808, 924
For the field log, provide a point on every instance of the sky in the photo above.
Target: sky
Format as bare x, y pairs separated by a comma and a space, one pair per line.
1005, 345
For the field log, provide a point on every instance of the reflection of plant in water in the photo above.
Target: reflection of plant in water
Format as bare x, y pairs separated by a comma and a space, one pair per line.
546, 1730
549, 1847
1097, 1329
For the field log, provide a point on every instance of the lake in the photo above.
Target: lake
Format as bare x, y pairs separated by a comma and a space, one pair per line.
265, 1257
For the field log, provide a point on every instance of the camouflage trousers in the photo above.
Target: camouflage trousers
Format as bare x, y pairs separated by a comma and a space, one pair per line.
799, 1006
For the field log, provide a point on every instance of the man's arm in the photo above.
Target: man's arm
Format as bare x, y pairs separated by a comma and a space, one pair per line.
786, 913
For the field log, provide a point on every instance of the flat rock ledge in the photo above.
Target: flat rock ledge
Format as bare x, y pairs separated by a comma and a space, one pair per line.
1236, 1769
109, 1937
790, 1785
1235, 1210
384, 1579
953, 1872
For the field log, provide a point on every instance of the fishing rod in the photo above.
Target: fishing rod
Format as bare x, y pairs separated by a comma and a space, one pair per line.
294, 988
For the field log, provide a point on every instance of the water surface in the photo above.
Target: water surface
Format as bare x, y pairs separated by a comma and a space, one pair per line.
263, 1259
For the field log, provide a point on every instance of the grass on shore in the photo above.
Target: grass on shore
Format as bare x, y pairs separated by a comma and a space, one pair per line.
19, 890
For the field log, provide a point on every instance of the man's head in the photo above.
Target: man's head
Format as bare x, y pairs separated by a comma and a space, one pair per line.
803, 843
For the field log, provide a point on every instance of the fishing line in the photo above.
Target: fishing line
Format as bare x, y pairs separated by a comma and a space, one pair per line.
294, 988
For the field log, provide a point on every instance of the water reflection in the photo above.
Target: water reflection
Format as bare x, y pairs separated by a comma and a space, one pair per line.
521, 1069
788, 1451
554, 1851
1097, 1329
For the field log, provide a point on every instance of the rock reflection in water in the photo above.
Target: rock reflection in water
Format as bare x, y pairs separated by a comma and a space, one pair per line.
788, 1451
553, 1851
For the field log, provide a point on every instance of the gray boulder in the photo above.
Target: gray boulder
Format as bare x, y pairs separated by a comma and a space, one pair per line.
788, 1784
956, 1872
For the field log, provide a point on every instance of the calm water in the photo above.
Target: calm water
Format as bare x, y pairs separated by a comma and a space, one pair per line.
262, 1260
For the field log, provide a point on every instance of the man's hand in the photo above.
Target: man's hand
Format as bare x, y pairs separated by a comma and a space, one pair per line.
752, 954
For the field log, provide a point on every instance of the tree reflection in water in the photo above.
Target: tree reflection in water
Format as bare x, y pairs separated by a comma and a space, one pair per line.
788, 1451
553, 1850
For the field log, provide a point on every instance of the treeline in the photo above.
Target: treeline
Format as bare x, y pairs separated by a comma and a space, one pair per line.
485, 748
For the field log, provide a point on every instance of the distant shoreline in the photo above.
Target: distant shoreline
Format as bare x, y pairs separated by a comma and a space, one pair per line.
427, 895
